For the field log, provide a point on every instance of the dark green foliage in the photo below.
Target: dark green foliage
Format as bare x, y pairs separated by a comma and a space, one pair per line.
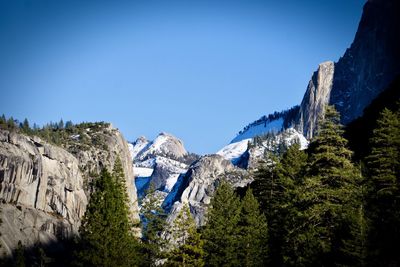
274, 187
360, 130
11, 125
189, 251
221, 231
80, 136
106, 237
3, 120
25, 126
60, 124
253, 233
236, 232
288, 115
19, 258
384, 190
314, 203
327, 200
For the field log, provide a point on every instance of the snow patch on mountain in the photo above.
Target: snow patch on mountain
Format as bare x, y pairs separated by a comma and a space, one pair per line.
165, 144
259, 128
143, 171
138, 146
233, 151
158, 163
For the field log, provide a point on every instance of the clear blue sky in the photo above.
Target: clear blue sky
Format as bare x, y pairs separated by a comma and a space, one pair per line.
200, 70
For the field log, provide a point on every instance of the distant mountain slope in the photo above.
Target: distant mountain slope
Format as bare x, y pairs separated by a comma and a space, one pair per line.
278, 124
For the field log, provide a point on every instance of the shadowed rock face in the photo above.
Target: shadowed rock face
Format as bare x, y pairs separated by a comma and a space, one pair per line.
364, 71
372, 61
42, 186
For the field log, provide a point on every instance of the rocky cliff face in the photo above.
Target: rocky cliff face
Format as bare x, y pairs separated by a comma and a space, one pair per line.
198, 185
110, 145
44, 188
372, 61
365, 70
316, 98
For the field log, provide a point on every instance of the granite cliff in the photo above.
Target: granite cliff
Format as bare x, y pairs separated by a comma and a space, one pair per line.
365, 70
44, 188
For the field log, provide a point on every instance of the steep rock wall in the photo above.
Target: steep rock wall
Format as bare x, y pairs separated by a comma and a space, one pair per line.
198, 185
365, 70
43, 187
315, 99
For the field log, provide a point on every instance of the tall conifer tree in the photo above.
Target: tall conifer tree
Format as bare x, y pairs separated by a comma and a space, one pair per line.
106, 237
384, 184
189, 248
328, 198
253, 233
221, 230
274, 187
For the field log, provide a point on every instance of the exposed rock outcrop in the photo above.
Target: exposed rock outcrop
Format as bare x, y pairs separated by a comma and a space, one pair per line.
372, 61
44, 188
113, 146
198, 185
316, 98
159, 163
365, 70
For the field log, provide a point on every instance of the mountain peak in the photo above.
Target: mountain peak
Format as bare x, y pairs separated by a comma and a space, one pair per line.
164, 144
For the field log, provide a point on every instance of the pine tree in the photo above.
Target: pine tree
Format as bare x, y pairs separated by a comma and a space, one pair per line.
189, 248
20, 255
106, 236
253, 233
11, 123
384, 190
3, 120
274, 186
221, 229
153, 226
60, 124
328, 197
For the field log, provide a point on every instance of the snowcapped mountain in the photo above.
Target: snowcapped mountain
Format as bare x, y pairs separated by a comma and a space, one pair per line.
234, 151
165, 144
159, 162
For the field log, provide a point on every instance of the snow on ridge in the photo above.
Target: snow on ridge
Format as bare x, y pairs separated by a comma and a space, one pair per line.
138, 147
142, 171
233, 151
171, 181
261, 128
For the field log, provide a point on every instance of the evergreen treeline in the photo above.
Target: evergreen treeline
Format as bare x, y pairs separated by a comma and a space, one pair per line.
324, 210
60, 133
288, 116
